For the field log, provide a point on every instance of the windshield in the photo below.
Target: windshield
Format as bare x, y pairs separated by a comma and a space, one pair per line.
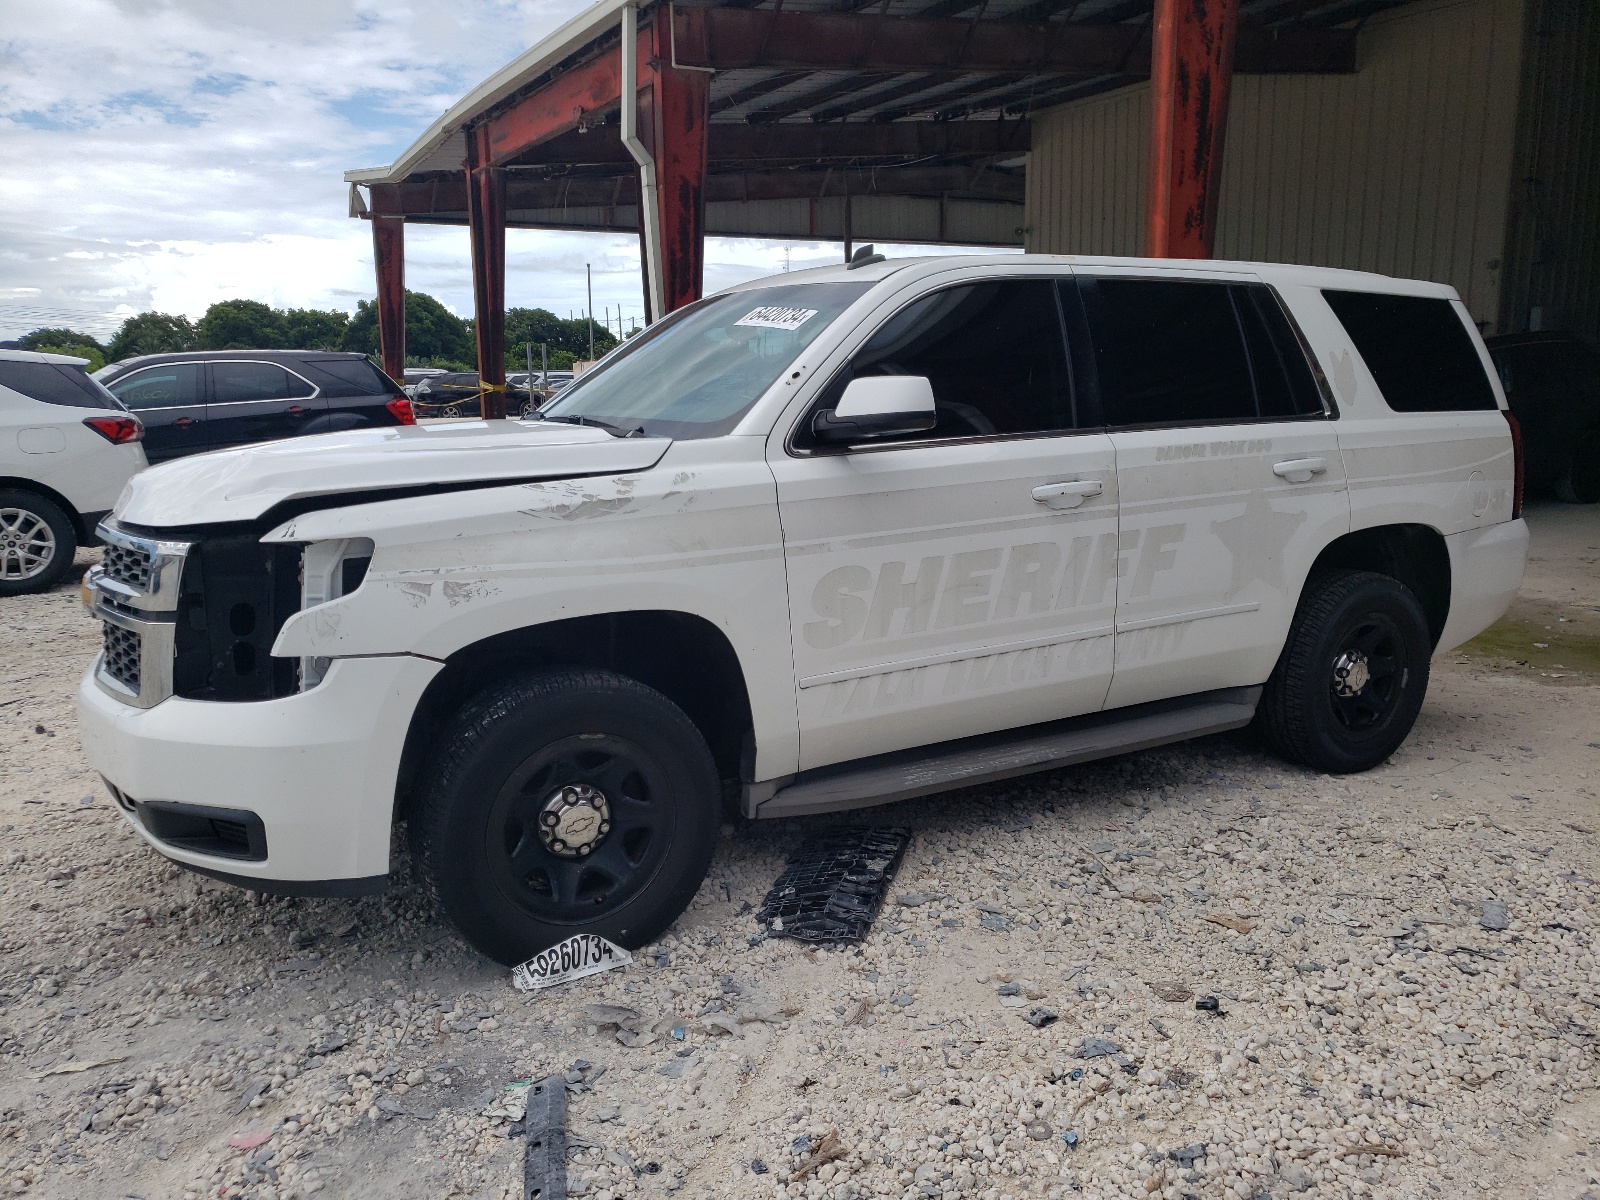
696, 373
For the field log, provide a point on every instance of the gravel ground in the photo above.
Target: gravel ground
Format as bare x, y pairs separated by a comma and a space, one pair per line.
1403, 966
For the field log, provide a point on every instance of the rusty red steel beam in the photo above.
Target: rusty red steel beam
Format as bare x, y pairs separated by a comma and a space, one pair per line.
1191, 73
734, 39
679, 121
486, 219
622, 189
582, 94
800, 143
389, 263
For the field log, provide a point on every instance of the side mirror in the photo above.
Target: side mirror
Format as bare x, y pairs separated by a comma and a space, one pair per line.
877, 406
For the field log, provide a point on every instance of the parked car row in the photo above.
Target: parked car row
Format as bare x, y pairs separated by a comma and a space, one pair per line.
208, 400
460, 393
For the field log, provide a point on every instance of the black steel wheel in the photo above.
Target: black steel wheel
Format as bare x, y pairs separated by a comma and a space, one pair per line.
1367, 676
1352, 676
566, 802
584, 823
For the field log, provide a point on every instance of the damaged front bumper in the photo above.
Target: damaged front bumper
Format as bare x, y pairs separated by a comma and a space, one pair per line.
309, 778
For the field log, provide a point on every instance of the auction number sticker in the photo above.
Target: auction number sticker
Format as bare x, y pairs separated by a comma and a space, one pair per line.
774, 317
580, 955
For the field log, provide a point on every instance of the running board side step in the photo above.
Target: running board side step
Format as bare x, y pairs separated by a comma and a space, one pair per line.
925, 770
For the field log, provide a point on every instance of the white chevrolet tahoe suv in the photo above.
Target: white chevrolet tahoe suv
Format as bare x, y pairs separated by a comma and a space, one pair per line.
822, 541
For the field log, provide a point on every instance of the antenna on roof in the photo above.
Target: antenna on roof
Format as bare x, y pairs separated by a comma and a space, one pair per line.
863, 257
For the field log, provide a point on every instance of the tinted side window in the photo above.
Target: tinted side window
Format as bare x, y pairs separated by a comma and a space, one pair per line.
348, 377
234, 382
993, 352
54, 383
1285, 386
1169, 352
1419, 352
170, 385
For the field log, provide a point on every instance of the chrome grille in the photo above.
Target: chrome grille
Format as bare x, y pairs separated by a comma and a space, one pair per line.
134, 592
122, 651
130, 565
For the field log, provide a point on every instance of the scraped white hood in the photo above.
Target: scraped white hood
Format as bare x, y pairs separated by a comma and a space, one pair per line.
242, 484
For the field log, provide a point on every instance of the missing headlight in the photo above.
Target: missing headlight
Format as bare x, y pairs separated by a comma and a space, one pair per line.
329, 570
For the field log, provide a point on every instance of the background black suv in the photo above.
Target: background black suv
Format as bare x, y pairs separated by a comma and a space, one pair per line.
457, 394
211, 399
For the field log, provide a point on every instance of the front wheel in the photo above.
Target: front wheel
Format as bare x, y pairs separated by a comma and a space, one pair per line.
1352, 675
37, 543
566, 802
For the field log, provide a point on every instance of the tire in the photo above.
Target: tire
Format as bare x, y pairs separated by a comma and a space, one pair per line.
535, 750
37, 543
451, 410
1579, 481
1329, 705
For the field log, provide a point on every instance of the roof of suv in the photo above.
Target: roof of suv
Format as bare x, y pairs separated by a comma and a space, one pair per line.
35, 356
1283, 273
210, 355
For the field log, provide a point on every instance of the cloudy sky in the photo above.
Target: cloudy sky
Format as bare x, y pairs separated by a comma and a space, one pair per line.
166, 154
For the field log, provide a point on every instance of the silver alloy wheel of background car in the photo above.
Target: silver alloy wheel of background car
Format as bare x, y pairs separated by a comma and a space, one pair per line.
451, 410
27, 544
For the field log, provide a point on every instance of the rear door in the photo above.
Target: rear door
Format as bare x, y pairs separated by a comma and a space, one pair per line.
1229, 474
955, 582
169, 399
255, 401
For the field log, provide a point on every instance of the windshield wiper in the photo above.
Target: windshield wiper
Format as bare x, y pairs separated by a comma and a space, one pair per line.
613, 430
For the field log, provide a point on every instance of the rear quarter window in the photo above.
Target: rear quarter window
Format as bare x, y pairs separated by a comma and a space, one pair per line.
1418, 350
347, 377
55, 383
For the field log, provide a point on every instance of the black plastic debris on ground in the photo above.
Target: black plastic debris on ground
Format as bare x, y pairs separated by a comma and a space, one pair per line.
834, 884
544, 1167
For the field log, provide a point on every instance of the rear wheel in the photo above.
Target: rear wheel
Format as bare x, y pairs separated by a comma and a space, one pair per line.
1352, 675
37, 543
567, 802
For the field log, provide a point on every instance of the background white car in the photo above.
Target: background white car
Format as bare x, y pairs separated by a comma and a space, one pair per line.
67, 448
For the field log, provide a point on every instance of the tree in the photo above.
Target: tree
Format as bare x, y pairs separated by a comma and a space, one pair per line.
241, 325
536, 325
65, 341
433, 332
41, 338
77, 350
152, 333
312, 329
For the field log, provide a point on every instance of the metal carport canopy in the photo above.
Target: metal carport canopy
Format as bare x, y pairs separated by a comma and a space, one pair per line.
832, 84
896, 120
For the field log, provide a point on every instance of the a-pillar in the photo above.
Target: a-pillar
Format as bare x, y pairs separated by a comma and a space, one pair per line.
389, 260
1191, 70
486, 219
675, 112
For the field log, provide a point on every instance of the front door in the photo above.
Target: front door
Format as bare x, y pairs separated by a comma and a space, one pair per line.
1229, 472
257, 402
169, 400
960, 581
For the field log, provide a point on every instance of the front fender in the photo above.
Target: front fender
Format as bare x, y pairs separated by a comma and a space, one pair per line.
453, 570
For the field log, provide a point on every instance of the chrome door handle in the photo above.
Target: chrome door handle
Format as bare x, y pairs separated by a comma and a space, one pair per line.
1299, 470
1067, 495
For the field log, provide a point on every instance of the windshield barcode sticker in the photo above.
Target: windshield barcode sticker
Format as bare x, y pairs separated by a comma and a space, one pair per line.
774, 317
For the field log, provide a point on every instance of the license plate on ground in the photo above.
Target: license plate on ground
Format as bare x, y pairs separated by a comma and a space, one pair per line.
580, 955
